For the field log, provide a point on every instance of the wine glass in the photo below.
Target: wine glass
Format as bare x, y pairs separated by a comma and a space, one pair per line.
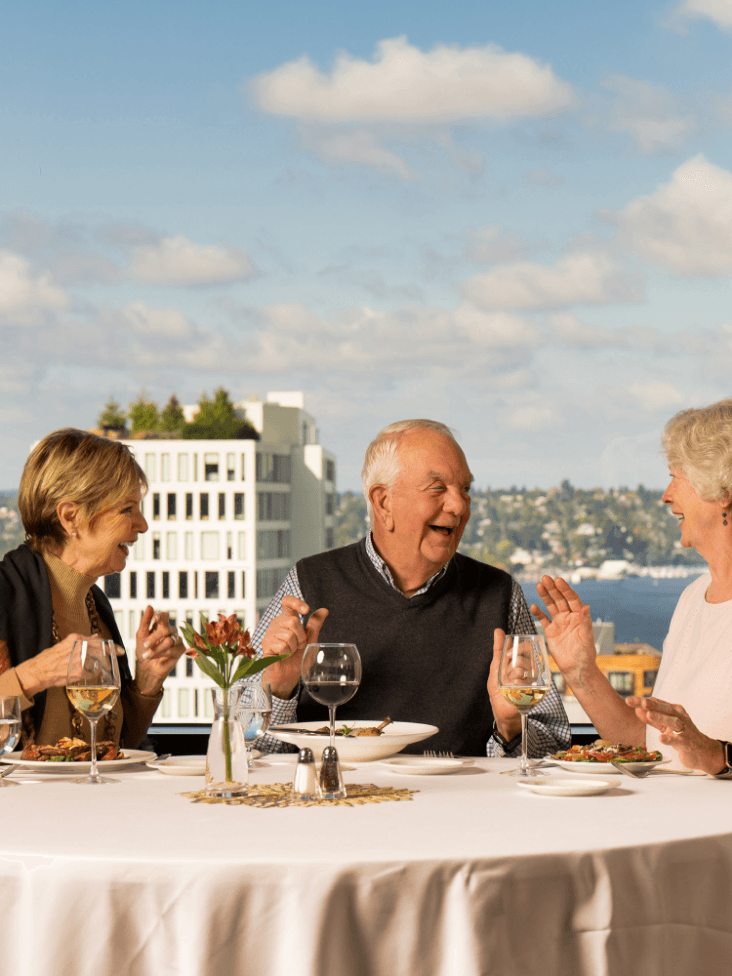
255, 713
524, 679
9, 727
331, 673
93, 687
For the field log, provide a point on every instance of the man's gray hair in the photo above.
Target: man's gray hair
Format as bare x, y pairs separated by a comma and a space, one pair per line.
382, 465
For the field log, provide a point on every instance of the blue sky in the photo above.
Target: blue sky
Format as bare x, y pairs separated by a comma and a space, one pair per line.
515, 218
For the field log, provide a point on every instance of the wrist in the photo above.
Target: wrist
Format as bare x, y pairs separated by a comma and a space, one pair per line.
506, 732
722, 763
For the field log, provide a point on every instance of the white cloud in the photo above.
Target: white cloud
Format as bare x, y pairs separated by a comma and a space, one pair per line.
496, 329
25, 295
406, 85
648, 114
544, 177
686, 225
361, 147
179, 261
491, 244
651, 396
580, 335
142, 319
579, 278
718, 11
531, 411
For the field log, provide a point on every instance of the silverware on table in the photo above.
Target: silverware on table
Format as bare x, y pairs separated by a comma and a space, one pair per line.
8, 770
158, 759
622, 767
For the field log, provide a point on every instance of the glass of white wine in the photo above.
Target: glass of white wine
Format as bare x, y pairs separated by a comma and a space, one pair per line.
524, 679
9, 727
93, 687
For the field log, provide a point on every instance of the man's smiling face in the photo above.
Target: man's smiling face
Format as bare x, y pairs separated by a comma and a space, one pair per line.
430, 503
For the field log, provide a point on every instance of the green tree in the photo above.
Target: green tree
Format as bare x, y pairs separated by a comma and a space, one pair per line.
172, 420
112, 416
143, 414
216, 420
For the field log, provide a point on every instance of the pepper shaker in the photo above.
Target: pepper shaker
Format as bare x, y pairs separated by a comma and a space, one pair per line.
331, 780
305, 786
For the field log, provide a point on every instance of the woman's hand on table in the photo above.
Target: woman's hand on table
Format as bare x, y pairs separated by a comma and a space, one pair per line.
157, 651
506, 717
696, 750
286, 635
50, 667
568, 628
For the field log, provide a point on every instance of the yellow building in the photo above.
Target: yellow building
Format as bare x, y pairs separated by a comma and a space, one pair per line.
631, 670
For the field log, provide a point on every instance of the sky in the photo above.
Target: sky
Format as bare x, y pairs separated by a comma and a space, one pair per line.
513, 218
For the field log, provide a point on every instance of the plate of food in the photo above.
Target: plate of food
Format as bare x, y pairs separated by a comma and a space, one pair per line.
601, 755
551, 786
359, 740
72, 756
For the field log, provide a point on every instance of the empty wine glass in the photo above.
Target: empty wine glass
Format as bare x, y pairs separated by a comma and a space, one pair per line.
93, 686
9, 727
255, 713
524, 679
331, 673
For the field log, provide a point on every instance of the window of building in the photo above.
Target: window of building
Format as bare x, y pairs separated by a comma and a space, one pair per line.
329, 503
195, 585
171, 545
242, 545
165, 708
194, 465
183, 702
156, 545
273, 544
133, 623
189, 505
622, 682
229, 545
156, 505
203, 505
209, 545
275, 468
188, 546
182, 467
230, 586
649, 678
243, 586
210, 467
189, 667
150, 467
133, 585
222, 505
329, 538
113, 586
165, 467
329, 469
231, 467
212, 584
166, 585
150, 586
268, 581
239, 505
273, 506
172, 505
183, 586
243, 467
189, 621
139, 551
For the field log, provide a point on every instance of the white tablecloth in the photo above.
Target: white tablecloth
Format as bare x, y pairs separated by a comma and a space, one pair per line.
472, 876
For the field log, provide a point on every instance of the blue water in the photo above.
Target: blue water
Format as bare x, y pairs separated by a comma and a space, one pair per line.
641, 608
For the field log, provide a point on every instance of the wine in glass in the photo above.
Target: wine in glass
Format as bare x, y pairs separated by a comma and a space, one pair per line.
93, 688
9, 727
255, 713
331, 673
524, 679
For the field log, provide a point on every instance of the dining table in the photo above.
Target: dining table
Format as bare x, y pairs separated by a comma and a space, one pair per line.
465, 874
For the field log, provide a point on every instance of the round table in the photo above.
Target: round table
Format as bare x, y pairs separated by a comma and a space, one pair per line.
471, 876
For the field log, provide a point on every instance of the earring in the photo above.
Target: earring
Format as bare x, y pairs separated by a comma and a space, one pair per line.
724, 518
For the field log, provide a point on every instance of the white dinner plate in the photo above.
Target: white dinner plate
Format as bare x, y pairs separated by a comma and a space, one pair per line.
553, 786
181, 766
131, 757
364, 748
593, 768
424, 765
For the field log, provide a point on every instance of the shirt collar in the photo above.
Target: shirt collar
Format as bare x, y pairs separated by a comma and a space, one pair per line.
384, 571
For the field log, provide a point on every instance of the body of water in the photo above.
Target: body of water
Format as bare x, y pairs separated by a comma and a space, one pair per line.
640, 607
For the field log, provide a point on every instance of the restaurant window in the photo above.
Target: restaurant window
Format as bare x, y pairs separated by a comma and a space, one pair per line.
165, 467
189, 505
229, 545
156, 545
150, 586
622, 682
171, 545
172, 505
203, 505
113, 586
133, 585
222, 505
242, 545
212, 585
150, 467
209, 546
166, 585
182, 467
230, 586
156, 505
231, 467
188, 546
239, 505
182, 586
210, 467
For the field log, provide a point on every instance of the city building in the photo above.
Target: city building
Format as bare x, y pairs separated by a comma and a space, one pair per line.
227, 520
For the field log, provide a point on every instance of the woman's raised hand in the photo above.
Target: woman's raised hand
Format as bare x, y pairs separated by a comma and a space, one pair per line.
157, 651
567, 625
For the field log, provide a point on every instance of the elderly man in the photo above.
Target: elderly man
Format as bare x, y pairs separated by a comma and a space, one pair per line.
422, 615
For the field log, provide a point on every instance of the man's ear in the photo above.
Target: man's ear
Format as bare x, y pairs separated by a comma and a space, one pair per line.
380, 498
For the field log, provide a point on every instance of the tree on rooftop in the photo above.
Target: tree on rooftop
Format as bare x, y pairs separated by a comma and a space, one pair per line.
172, 420
216, 420
143, 414
112, 416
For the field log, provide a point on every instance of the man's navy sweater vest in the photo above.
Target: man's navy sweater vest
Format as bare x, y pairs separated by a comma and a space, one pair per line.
425, 659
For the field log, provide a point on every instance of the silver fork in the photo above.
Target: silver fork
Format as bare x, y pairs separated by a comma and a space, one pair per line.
621, 766
431, 754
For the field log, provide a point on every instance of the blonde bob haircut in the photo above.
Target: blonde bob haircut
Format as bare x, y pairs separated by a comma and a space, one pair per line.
73, 465
699, 442
382, 465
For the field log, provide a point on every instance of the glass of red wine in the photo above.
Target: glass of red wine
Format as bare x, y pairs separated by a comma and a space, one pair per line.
331, 673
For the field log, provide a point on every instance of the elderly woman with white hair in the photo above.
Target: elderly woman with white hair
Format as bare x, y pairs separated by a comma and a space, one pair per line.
696, 666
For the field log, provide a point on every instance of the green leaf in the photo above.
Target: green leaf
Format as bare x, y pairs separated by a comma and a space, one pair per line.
248, 668
210, 670
219, 656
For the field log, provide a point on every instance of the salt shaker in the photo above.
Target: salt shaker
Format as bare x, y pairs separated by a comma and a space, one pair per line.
331, 781
305, 786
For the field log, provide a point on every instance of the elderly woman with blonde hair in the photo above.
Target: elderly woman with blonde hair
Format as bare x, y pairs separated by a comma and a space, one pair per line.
696, 666
79, 499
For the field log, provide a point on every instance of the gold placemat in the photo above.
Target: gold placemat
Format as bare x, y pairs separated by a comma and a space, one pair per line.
278, 795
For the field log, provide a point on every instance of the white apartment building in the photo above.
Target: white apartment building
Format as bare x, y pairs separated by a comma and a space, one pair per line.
227, 520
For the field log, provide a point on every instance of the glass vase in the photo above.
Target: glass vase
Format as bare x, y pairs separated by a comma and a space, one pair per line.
227, 773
